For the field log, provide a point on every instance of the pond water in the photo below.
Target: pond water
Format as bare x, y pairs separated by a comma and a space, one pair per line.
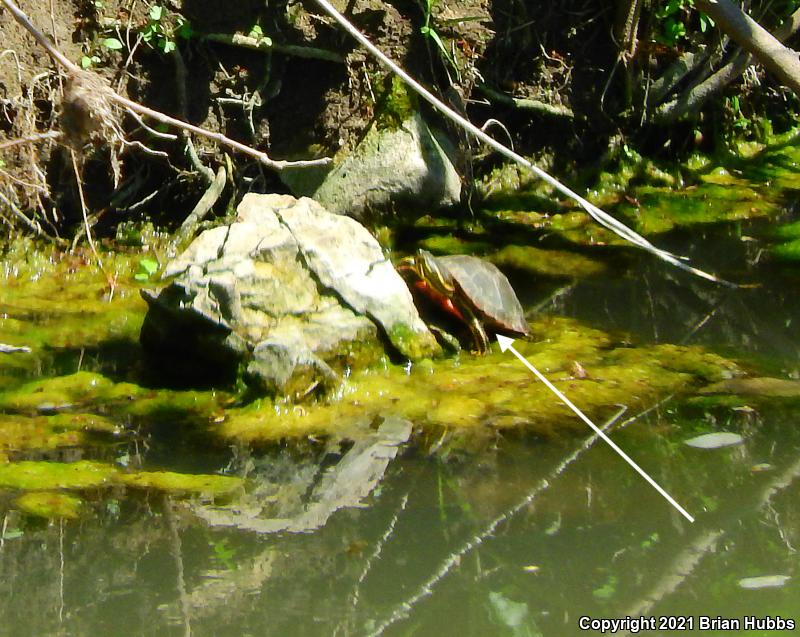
520, 534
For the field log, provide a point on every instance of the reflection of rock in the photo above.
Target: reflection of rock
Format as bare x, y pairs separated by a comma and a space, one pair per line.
289, 289
391, 170
344, 485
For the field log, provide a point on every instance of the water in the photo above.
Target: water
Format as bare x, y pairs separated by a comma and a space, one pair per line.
522, 537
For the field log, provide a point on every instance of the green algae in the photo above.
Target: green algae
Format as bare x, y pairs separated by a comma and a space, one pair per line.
50, 505
183, 483
37, 476
484, 394
549, 263
64, 306
787, 251
413, 345
66, 392
750, 183
449, 244
44, 433
84, 390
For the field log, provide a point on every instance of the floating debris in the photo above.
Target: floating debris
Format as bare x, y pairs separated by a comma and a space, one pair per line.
715, 440
763, 581
12, 349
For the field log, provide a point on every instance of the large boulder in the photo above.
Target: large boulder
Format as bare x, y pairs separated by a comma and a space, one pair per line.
290, 291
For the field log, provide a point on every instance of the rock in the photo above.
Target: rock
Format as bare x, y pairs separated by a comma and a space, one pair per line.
291, 292
391, 171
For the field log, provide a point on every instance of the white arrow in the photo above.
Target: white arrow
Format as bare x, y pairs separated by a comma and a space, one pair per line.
508, 344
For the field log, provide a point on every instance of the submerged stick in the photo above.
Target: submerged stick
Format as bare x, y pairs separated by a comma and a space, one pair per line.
600, 216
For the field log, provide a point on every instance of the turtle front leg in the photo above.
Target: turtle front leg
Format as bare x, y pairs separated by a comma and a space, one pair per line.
481, 340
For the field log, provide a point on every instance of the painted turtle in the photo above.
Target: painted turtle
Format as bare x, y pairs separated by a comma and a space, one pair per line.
472, 290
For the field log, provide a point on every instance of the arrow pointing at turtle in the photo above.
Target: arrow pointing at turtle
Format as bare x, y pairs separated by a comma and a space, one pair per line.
508, 344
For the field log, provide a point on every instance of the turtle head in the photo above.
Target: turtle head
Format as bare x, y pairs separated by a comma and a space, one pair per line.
427, 269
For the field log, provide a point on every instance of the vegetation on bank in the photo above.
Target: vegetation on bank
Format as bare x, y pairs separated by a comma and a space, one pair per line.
581, 88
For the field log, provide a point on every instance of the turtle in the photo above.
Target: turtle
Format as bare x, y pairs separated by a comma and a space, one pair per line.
473, 290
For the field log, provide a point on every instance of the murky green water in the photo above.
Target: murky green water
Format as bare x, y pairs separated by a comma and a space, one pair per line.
517, 532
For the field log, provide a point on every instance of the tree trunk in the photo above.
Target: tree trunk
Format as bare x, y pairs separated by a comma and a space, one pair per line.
783, 62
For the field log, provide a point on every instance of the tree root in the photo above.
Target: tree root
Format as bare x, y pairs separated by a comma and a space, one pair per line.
88, 113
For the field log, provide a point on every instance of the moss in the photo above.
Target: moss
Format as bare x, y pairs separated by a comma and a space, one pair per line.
50, 505
396, 103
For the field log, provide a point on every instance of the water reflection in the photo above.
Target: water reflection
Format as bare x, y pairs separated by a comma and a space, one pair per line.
520, 539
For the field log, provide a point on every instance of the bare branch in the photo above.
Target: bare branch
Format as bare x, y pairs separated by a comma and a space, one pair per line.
778, 59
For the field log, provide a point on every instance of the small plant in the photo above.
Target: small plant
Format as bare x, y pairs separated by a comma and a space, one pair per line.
157, 33
740, 121
673, 16
430, 32
112, 44
147, 268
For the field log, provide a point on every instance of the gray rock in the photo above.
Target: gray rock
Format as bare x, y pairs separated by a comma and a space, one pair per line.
290, 291
393, 170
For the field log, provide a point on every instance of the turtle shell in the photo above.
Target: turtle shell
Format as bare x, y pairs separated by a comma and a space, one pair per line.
487, 291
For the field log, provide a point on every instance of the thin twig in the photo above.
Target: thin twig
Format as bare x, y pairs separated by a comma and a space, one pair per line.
219, 138
32, 225
30, 139
537, 106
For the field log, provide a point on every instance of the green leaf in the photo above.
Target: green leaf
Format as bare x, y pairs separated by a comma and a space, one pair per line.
149, 32
169, 46
86, 62
156, 13
112, 43
255, 31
